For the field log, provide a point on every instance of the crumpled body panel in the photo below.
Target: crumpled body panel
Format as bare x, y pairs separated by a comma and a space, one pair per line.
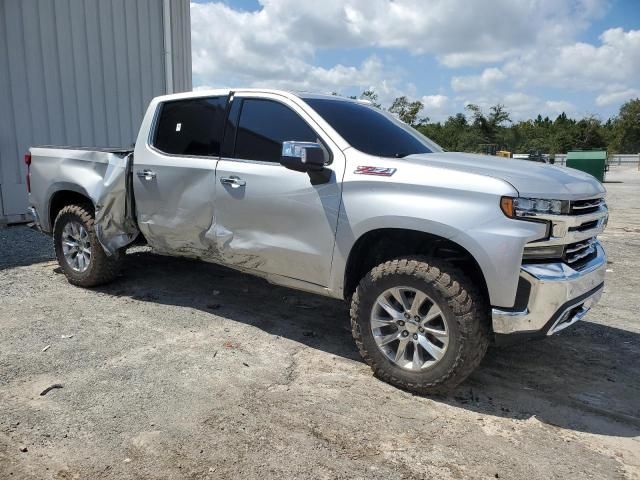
175, 206
115, 217
101, 175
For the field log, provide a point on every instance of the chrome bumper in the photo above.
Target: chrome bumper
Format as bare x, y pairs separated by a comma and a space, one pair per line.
559, 297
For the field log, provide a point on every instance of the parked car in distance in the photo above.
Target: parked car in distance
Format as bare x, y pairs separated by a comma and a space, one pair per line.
438, 253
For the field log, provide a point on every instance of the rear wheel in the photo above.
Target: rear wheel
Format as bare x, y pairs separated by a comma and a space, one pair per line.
420, 324
79, 253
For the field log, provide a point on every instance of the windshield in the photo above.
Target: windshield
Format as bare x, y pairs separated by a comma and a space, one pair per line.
370, 130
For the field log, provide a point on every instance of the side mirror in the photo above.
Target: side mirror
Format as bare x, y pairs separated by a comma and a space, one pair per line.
303, 156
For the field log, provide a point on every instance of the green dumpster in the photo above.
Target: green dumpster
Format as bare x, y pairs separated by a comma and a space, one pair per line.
593, 162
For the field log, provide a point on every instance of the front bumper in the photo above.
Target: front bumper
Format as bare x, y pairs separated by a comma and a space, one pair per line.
558, 297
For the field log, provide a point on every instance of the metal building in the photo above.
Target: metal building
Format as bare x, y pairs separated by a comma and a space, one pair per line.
81, 72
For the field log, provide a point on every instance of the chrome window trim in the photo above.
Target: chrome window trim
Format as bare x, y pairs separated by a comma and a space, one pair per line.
174, 155
254, 162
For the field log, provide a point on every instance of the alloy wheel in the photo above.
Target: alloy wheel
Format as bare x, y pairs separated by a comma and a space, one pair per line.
409, 327
76, 246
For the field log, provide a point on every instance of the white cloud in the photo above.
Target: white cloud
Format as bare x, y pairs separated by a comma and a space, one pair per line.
278, 42
456, 60
267, 48
610, 69
559, 106
436, 102
579, 65
617, 96
582, 65
518, 44
460, 32
488, 79
436, 107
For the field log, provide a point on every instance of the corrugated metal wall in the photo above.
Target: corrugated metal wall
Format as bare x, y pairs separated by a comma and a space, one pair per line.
80, 72
181, 45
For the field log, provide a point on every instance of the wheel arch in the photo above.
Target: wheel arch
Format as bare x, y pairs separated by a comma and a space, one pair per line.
62, 195
380, 245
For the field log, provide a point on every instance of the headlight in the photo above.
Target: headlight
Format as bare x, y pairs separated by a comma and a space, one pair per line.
530, 207
536, 253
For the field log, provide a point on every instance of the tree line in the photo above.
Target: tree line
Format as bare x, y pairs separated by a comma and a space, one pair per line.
477, 129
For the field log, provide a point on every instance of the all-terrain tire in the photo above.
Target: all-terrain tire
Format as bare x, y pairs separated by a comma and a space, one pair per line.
463, 304
102, 268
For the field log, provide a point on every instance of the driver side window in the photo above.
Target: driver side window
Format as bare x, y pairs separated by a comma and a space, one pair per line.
264, 125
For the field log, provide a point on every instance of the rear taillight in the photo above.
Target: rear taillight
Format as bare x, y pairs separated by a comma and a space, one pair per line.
27, 161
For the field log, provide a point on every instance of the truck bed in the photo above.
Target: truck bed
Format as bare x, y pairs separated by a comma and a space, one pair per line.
102, 175
121, 150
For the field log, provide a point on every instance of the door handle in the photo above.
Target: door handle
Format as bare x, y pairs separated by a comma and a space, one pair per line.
146, 174
234, 181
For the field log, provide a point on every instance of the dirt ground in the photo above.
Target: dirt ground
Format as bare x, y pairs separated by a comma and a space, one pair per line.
188, 370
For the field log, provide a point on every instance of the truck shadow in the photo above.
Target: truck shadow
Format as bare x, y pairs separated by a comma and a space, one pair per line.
584, 379
34, 247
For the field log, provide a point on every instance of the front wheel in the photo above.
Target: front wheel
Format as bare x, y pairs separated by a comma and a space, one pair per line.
420, 324
82, 258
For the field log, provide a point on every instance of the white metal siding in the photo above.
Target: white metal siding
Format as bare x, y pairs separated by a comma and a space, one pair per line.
181, 45
80, 72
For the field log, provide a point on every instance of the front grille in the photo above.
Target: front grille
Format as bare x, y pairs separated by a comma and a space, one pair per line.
582, 207
584, 226
578, 253
572, 234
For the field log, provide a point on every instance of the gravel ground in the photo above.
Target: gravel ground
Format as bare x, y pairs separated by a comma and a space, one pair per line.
188, 370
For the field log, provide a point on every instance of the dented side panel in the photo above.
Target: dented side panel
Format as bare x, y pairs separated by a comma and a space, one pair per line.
174, 206
115, 223
278, 222
101, 176
175, 203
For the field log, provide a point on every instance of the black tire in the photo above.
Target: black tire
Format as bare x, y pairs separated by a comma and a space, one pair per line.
102, 268
463, 307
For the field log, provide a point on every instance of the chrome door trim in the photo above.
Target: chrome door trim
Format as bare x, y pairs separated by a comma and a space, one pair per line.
233, 180
146, 174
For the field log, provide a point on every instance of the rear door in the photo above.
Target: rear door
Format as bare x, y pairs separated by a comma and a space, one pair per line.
269, 218
174, 176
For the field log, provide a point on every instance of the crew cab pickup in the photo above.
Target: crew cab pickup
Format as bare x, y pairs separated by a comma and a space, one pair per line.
438, 253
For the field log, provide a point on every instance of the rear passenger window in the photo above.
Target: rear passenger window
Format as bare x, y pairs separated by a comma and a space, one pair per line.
191, 127
264, 125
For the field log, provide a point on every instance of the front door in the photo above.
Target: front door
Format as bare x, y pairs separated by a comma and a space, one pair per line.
269, 218
174, 177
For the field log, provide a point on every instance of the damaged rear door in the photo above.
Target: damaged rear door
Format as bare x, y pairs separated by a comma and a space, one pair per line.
174, 176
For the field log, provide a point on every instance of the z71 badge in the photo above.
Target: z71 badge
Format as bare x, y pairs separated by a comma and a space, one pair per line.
377, 171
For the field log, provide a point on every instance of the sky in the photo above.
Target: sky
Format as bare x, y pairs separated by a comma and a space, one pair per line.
581, 57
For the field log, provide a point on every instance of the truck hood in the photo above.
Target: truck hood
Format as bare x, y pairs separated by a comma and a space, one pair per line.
530, 179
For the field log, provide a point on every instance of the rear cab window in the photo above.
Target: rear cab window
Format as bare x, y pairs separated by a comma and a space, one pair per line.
191, 127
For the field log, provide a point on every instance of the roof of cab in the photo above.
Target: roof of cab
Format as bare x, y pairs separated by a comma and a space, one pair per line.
226, 91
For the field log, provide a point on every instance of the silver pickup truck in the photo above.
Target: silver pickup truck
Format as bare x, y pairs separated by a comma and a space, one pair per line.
438, 253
